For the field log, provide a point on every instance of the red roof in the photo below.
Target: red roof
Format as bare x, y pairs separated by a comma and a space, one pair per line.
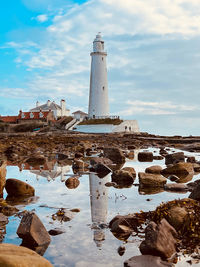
9, 118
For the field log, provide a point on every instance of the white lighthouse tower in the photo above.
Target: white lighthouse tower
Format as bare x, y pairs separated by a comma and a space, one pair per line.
98, 99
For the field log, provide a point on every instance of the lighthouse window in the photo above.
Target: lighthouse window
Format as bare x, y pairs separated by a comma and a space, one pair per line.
102, 58
103, 87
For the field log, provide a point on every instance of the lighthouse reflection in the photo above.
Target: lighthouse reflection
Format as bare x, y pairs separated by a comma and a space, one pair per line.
99, 206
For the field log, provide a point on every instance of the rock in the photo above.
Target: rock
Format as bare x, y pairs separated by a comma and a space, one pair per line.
174, 158
15, 256
36, 160
150, 190
154, 169
122, 178
151, 180
146, 261
101, 160
193, 185
3, 222
179, 169
195, 194
16, 188
2, 176
177, 216
196, 167
121, 250
63, 215
131, 155
115, 154
61, 156
159, 240
158, 157
145, 156
72, 183
78, 155
123, 226
130, 170
191, 159
109, 184
79, 165
75, 210
101, 169
32, 231
56, 231
176, 187
163, 152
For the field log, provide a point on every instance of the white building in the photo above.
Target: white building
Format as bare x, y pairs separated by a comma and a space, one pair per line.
98, 99
79, 114
58, 110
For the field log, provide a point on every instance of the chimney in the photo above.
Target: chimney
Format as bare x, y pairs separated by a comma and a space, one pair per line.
37, 104
48, 103
63, 107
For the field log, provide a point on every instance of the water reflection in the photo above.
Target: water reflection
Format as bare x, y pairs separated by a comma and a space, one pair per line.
99, 205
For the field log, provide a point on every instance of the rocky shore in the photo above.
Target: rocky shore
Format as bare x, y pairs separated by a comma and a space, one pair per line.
171, 229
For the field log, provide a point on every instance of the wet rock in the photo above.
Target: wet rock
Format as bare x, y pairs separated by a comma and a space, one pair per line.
146, 261
75, 210
150, 190
122, 178
181, 168
163, 152
121, 250
14, 256
196, 167
177, 216
191, 159
123, 226
131, 155
176, 187
109, 184
154, 169
193, 185
2, 176
173, 178
78, 155
79, 165
56, 231
195, 194
61, 156
36, 160
174, 158
101, 170
63, 215
159, 240
115, 154
15, 187
145, 156
130, 170
101, 160
72, 182
21, 200
158, 157
32, 231
151, 180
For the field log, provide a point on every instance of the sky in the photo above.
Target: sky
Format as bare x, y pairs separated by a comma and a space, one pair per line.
153, 58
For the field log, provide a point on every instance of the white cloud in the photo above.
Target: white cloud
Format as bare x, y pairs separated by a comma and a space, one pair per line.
42, 18
155, 108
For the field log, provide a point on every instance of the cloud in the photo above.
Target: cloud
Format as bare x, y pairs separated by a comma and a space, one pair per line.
155, 108
42, 18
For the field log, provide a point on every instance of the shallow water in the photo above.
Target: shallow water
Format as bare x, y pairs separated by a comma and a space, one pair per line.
84, 243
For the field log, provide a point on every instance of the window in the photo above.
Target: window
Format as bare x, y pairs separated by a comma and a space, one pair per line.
31, 115
41, 115
102, 58
23, 116
103, 88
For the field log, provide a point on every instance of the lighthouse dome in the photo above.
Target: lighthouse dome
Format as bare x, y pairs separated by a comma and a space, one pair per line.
98, 44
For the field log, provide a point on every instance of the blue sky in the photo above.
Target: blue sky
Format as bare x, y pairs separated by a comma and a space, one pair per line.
153, 58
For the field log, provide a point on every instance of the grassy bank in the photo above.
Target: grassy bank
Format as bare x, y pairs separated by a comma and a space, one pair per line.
101, 121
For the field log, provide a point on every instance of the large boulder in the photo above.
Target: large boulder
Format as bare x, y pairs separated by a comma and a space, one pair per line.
115, 154
177, 216
101, 169
100, 160
15, 256
122, 178
146, 261
2, 176
36, 160
145, 156
131, 170
159, 240
174, 158
15, 188
179, 169
151, 180
32, 231
156, 169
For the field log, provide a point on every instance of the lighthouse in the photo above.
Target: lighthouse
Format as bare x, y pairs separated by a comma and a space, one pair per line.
98, 98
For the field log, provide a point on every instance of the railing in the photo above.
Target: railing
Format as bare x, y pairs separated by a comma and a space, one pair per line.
102, 117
